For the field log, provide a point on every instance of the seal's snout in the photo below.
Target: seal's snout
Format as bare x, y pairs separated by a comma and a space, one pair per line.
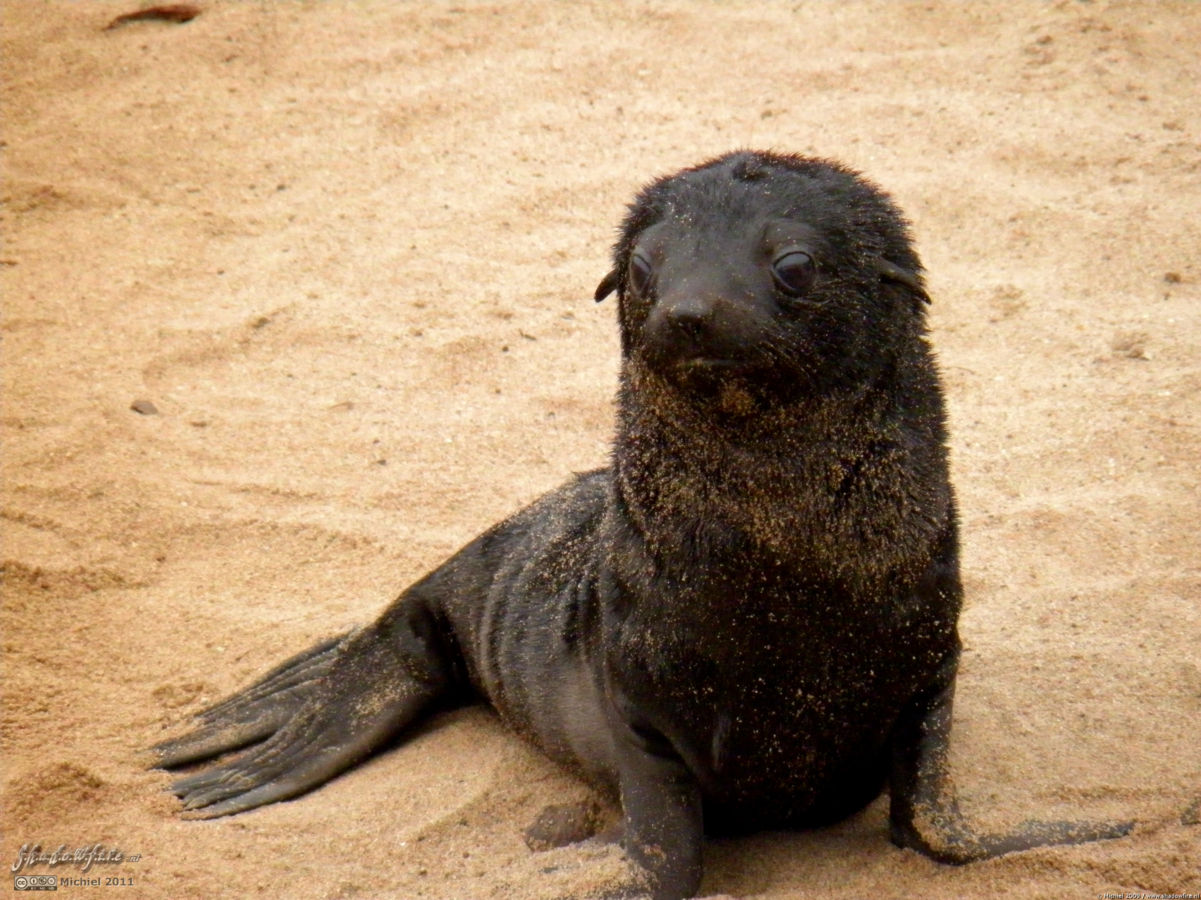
691, 325
690, 318
695, 329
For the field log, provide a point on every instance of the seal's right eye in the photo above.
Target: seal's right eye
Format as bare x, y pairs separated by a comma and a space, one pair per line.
793, 271
640, 274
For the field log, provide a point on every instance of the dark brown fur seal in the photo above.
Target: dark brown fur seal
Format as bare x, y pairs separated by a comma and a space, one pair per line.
748, 620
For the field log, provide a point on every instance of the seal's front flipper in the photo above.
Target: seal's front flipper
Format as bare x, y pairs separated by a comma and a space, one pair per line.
663, 820
924, 813
316, 715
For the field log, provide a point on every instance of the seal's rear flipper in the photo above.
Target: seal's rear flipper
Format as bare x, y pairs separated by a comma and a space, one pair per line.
316, 716
252, 714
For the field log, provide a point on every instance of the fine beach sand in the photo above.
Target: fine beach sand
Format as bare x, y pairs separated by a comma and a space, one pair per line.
347, 251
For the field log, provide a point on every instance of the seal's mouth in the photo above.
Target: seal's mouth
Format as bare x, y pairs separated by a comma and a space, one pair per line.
715, 365
707, 376
719, 383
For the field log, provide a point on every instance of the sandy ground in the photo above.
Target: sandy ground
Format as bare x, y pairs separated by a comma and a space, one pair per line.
347, 252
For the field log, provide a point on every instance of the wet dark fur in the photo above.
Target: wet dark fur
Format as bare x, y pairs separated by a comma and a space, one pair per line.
749, 619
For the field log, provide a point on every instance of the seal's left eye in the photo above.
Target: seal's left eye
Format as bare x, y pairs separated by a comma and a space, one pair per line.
640, 273
793, 271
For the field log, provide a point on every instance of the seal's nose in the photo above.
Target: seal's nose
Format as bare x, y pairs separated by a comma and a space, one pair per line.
691, 317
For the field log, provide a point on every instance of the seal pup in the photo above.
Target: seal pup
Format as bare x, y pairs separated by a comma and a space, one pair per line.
748, 620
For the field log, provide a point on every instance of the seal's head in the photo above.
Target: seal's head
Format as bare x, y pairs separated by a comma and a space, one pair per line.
758, 279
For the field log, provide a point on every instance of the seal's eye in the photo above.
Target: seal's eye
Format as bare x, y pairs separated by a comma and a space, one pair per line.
793, 271
640, 273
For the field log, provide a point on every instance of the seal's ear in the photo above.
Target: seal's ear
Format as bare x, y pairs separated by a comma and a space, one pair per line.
607, 286
890, 271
